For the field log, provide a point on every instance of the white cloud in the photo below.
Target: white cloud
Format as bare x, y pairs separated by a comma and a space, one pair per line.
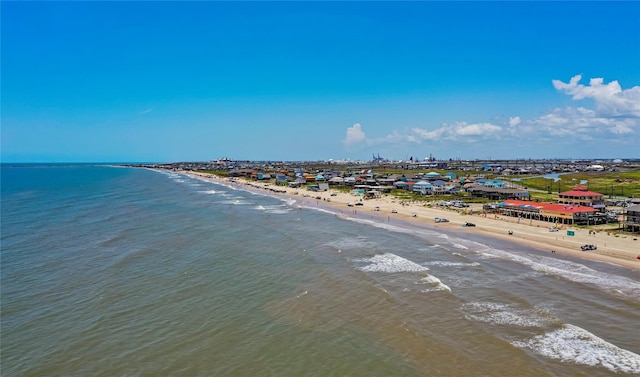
621, 128
395, 137
429, 135
611, 100
478, 129
354, 135
614, 120
147, 111
580, 123
457, 131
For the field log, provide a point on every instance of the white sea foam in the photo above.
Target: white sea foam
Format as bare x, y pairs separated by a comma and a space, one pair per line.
216, 183
451, 264
389, 262
484, 255
210, 192
319, 210
275, 209
572, 271
378, 223
574, 344
506, 314
236, 202
398, 229
350, 243
439, 285
289, 202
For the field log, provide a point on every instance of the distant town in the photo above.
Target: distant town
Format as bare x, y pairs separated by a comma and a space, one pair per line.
505, 167
504, 186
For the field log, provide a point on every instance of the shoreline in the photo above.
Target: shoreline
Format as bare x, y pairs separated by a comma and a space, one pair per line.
618, 250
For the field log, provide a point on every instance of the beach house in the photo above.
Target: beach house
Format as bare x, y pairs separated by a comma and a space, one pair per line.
581, 196
422, 187
495, 193
632, 218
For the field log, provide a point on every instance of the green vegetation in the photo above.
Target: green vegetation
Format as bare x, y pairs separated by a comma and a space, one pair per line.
408, 195
540, 196
611, 184
219, 173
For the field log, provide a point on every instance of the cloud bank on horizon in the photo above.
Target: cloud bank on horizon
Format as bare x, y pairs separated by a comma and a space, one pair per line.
616, 115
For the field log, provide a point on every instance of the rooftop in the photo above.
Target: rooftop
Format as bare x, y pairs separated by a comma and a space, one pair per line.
549, 206
580, 193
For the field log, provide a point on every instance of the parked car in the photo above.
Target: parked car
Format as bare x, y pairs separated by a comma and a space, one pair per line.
552, 229
588, 247
468, 224
394, 211
359, 204
441, 220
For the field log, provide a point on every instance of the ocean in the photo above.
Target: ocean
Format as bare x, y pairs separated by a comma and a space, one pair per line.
115, 271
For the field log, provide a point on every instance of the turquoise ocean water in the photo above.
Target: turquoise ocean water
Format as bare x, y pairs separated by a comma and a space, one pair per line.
113, 271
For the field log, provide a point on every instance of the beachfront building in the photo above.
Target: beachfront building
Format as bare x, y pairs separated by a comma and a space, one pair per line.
551, 212
349, 181
336, 181
261, 176
490, 182
632, 219
496, 193
422, 187
581, 196
309, 177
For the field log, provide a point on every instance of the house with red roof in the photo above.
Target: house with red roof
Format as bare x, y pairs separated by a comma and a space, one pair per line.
551, 212
581, 196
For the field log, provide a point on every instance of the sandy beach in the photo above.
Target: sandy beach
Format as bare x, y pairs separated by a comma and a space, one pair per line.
621, 249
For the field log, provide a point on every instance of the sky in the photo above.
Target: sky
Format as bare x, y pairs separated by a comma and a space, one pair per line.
123, 81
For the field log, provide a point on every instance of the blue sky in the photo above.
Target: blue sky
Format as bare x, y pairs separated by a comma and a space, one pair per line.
177, 81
